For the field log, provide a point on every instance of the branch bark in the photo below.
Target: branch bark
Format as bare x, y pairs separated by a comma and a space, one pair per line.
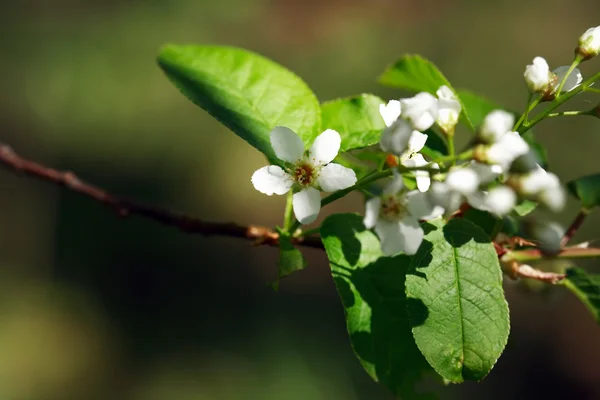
260, 235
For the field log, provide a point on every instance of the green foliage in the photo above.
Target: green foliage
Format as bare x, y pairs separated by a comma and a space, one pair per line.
371, 288
476, 106
525, 207
356, 118
415, 73
456, 301
244, 91
290, 258
483, 219
586, 189
586, 287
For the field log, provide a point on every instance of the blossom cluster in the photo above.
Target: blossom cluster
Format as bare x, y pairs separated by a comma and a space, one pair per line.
500, 171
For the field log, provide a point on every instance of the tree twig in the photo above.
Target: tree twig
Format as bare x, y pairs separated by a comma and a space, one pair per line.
574, 227
260, 235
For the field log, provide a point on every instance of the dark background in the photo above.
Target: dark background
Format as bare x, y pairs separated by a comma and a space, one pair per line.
93, 307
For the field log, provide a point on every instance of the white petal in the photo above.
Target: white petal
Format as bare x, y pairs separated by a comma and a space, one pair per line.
485, 172
478, 200
399, 236
495, 125
390, 111
306, 204
372, 208
534, 182
589, 42
395, 186
272, 179
572, 81
287, 145
419, 205
421, 110
325, 147
422, 177
552, 195
463, 180
501, 200
395, 138
537, 75
509, 147
416, 141
444, 92
441, 195
334, 177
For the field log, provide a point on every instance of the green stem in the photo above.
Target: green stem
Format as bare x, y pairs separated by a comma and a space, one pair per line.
574, 65
566, 253
558, 102
308, 232
526, 113
570, 113
591, 90
451, 151
288, 215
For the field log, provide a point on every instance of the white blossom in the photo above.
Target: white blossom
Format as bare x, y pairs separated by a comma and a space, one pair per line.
390, 112
499, 200
395, 216
538, 76
448, 109
460, 184
544, 187
308, 172
589, 43
420, 110
396, 138
505, 150
495, 125
575, 78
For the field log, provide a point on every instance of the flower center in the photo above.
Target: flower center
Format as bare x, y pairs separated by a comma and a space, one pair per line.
393, 207
304, 174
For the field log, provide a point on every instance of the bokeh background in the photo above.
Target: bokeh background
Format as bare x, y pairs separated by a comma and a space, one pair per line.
94, 307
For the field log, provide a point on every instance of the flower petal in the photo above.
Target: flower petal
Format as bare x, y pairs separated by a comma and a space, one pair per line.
306, 204
286, 144
422, 177
334, 177
500, 200
421, 110
463, 180
495, 125
399, 236
390, 111
420, 206
395, 185
416, 142
396, 137
372, 208
572, 81
272, 179
325, 147
442, 195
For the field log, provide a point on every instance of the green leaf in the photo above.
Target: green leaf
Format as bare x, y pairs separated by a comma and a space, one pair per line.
435, 147
371, 288
415, 73
456, 301
290, 259
244, 91
356, 118
477, 107
586, 287
525, 207
483, 219
586, 189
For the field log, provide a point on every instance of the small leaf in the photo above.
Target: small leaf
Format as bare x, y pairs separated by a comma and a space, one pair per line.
244, 91
525, 207
587, 289
456, 301
371, 288
586, 189
415, 73
290, 259
356, 118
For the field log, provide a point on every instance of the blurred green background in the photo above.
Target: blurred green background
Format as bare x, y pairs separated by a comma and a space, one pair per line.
93, 307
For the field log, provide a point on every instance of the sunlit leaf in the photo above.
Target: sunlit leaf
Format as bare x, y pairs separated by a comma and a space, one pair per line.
586, 287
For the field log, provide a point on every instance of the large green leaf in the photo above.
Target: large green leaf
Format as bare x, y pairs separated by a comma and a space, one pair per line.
356, 118
415, 73
244, 91
586, 189
586, 288
456, 301
371, 288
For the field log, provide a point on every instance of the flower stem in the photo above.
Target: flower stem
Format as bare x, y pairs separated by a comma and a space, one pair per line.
566, 253
557, 102
574, 65
308, 232
526, 113
451, 151
570, 113
288, 215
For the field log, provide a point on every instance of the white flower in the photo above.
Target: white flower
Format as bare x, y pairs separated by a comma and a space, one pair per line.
538, 76
509, 147
422, 177
396, 138
308, 172
448, 109
395, 216
390, 112
575, 78
495, 125
499, 200
460, 184
589, 43
543, 187
421, 110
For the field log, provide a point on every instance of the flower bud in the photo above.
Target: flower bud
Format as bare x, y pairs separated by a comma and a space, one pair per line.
508, 147
495, 125
589, 43
421, 110
538, 76
449, 110
548, 234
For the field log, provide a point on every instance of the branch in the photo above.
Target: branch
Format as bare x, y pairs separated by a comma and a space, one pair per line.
259, 234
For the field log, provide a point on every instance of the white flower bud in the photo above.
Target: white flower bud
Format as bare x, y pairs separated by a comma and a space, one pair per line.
448, 109
421, 110
589, 43
508, 147
500, 200
495, 125
538, 76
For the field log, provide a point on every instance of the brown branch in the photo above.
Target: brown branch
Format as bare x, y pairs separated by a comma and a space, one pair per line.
260, 235
574, 227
